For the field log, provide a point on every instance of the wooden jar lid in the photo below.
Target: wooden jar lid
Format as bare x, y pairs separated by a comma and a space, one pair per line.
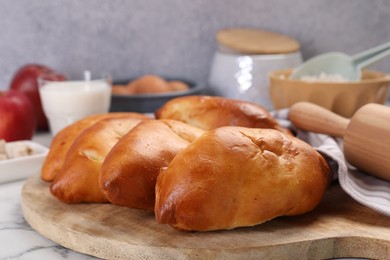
255, 41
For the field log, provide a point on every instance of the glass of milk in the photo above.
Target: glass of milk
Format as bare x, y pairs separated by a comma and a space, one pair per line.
65, 102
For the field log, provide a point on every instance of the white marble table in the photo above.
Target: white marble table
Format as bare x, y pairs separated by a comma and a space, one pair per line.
17, 239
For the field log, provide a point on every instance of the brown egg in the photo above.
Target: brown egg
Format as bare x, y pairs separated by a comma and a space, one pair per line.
132, 87
122, 90
151, 84
118, 89
177, 85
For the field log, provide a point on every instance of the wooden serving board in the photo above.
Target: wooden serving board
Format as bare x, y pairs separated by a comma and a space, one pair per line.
338, 227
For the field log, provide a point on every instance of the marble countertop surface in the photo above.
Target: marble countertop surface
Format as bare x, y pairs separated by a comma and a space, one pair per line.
17, 239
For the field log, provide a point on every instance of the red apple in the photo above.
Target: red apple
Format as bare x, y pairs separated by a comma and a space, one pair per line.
25, 80
17, 116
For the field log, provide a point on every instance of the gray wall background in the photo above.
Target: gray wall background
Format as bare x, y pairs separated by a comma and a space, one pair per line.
173, 37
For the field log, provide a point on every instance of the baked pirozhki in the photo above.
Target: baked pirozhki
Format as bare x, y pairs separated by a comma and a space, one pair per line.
210, 112
78, 180
129, 172
234, 177
65, 138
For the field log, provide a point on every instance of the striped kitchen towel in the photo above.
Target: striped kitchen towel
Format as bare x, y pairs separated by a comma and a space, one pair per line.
364, 188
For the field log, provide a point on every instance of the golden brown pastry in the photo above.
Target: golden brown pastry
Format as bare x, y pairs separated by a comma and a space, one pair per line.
78, 180
129, 172
234, 176
64, 139
209, 112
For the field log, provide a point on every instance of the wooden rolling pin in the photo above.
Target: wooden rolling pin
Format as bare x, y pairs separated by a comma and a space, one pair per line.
366, 135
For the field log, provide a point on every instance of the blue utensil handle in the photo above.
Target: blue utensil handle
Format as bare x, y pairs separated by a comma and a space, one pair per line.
367, 57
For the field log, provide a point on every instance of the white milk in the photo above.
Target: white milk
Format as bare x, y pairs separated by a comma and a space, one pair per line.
65, 102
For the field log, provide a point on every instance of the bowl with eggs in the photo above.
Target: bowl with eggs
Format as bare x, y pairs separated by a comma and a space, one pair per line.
147, 93
329, 91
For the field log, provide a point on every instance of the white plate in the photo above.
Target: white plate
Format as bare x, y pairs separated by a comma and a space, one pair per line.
23, 167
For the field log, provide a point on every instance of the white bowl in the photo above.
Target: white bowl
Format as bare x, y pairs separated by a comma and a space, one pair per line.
22, 167
245, 77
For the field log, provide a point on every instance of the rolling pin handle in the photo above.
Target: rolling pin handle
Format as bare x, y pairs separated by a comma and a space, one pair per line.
310, 117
